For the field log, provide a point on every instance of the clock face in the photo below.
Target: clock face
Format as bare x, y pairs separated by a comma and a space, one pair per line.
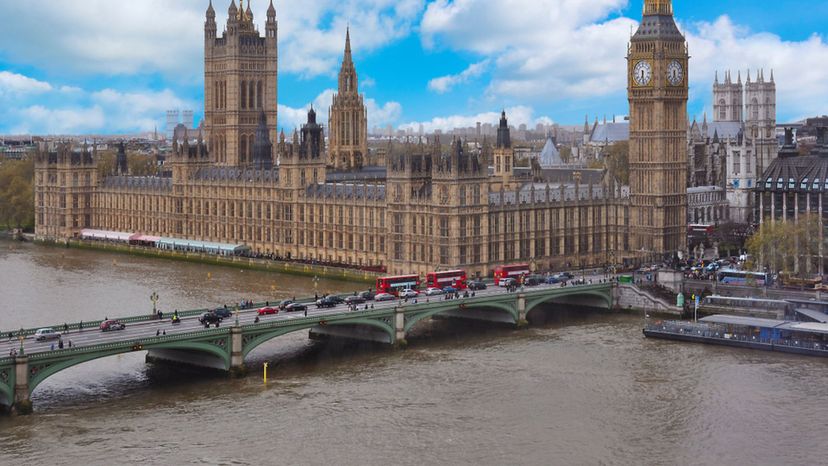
675, 73
642, 73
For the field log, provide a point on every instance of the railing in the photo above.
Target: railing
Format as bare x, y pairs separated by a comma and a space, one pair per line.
132, 343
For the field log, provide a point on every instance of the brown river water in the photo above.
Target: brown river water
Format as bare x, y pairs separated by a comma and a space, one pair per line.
576, 387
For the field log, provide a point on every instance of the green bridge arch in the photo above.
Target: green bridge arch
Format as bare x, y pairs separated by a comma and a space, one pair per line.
267, 335
413, 317
603, 295
54, 367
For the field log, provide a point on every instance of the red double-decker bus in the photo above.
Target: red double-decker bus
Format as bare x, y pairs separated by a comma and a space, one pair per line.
510, 271
454, 278
393, 285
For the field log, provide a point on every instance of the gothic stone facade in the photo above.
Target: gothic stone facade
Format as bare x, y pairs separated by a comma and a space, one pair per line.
432, 206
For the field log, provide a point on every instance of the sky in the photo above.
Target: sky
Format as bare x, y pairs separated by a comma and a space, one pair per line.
112, 67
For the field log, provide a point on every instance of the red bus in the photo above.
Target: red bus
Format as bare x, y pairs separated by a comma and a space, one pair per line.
454, 278
510, 271
394, 284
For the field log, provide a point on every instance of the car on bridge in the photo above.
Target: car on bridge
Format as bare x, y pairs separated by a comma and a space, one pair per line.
477, 285
449, 290
384, 297
552, 280
209, 318
409, 293
533, 280
355, 300
223, 312
267, 311
112, 324
296, 307
43, 334
336, 299
326, 302
367, 295
434, 291
285, 303
504, 282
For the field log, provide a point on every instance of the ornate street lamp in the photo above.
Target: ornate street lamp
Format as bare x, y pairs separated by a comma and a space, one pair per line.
154, 299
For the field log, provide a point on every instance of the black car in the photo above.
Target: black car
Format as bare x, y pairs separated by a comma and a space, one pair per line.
296, 307
354, 300
567, 275
209, 318
335, 299
367, 295
223, 312
326, 302
533, 280
285, 303
477, 285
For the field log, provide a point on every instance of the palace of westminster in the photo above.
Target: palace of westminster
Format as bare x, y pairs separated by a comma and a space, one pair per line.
431, 204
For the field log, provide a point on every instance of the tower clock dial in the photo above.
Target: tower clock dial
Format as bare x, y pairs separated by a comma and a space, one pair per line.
642, 73
675, 73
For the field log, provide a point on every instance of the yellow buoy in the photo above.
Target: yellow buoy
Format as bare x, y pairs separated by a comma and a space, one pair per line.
265, 373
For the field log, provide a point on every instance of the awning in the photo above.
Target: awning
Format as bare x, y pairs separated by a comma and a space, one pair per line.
813, 314
146, 238
744, 321
106, 235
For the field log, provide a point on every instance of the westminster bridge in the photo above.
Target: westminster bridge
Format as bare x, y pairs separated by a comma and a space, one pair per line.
27, 363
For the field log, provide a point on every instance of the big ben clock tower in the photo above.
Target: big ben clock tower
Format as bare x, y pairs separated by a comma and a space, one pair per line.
657, 89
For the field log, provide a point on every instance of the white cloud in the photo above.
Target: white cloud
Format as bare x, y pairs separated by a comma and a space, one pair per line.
799, 67
556, 50
14, 84
38, 119
544, 50
102, 111
89, 37
517, 116
378, 114
444, 84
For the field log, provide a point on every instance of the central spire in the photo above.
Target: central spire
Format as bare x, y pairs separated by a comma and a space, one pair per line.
658, 7
347, 45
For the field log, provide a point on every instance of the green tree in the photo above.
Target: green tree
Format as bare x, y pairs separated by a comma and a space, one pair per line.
617, 160
786, 247
141, 165
17, 194
566, 154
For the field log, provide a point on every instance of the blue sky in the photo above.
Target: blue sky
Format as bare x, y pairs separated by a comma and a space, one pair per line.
104, 67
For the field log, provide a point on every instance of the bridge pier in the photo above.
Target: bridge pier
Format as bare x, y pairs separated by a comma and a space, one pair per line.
237, 367
521, 308
22, 402
399, 327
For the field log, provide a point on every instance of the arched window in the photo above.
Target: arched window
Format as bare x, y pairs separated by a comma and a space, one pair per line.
754, 112
259, 94
252, 91
243, 94
722, 110
243, 149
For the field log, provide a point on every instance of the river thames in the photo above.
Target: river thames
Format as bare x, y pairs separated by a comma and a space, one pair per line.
575, 387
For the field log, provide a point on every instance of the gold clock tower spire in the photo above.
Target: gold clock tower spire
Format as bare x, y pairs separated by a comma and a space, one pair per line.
657, 90
658, 7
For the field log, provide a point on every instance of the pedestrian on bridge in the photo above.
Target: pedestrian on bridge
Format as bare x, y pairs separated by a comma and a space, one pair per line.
65, 327
60, 343
157, 332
